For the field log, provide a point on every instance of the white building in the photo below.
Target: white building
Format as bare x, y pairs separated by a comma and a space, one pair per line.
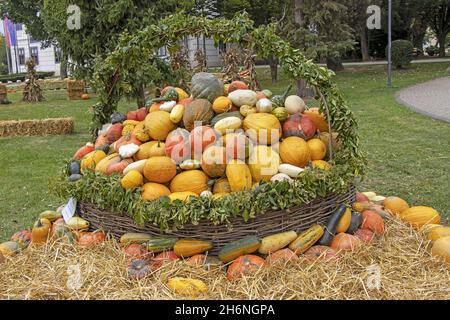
47, 59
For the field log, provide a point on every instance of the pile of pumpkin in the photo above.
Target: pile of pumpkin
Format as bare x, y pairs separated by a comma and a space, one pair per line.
346, 230
218, 140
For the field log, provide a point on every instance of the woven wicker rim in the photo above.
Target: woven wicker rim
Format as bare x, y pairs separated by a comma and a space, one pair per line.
298, 219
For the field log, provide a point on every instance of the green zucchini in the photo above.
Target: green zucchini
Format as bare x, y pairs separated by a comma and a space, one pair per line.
355, 222
160, 244
330, 228
238, 248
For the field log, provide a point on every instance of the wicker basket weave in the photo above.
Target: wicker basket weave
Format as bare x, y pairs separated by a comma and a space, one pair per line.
298, 218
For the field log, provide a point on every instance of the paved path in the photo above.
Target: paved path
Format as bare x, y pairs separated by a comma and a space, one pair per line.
431, 98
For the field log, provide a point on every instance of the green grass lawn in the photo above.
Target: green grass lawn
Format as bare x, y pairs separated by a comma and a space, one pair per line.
409, 154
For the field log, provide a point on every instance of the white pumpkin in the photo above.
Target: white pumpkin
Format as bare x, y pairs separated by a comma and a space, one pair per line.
294, 104
243, 97
264, 105
281, 177
168, 106
128, 150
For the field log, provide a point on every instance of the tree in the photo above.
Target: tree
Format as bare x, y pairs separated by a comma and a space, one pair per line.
439, 21
357, 19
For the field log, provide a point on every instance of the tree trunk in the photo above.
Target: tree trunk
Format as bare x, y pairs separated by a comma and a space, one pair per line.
273, 63
140, 99
63, 66
302, 87
441, 40
335, 64
364, 45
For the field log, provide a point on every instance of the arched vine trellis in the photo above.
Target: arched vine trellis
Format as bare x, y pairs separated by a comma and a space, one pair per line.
114, 78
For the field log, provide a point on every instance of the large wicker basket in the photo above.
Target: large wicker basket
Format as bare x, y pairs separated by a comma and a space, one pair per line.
298, 218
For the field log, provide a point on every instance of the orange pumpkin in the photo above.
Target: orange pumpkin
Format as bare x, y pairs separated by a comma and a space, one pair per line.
318, 119
88, 239
395, 205
193, 180
365, 235
441, 248
160, 169
136, 251
163, 258
85, 96
214, 161
155, 107
345, 242
281, 256
237, 85
152, 191
244, 266
372, 221
321, 253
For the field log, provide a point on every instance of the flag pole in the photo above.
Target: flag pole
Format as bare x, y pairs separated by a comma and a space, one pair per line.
390, 44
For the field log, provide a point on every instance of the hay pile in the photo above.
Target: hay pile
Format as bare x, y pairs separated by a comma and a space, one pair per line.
57, 126
407, 272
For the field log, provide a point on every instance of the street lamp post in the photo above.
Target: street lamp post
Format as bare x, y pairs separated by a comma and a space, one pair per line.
390, 44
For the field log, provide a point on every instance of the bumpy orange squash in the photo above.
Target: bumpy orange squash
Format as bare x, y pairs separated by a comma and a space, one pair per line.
158, 125
160, 169
193, 180
214, 161
295, 151
222, 186
152, 191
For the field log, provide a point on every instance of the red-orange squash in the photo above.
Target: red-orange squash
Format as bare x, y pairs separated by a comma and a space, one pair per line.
372, 221
125, 140
178, 146
200, 139
114, 132
244, 266
345, 242
80, 153
160, 169
237, 85
163, 258
118, 167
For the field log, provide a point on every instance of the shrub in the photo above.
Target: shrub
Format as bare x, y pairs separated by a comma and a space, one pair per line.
432, 50
402, 53
23, 76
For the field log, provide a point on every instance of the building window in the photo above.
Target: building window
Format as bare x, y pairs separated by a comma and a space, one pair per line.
57, 54
34, 53
19, 27
32, 40
21, 52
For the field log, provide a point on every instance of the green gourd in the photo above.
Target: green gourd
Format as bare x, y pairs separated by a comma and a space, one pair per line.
278, 100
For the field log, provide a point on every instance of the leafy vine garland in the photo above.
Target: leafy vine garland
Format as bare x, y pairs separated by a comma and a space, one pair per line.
134, 58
